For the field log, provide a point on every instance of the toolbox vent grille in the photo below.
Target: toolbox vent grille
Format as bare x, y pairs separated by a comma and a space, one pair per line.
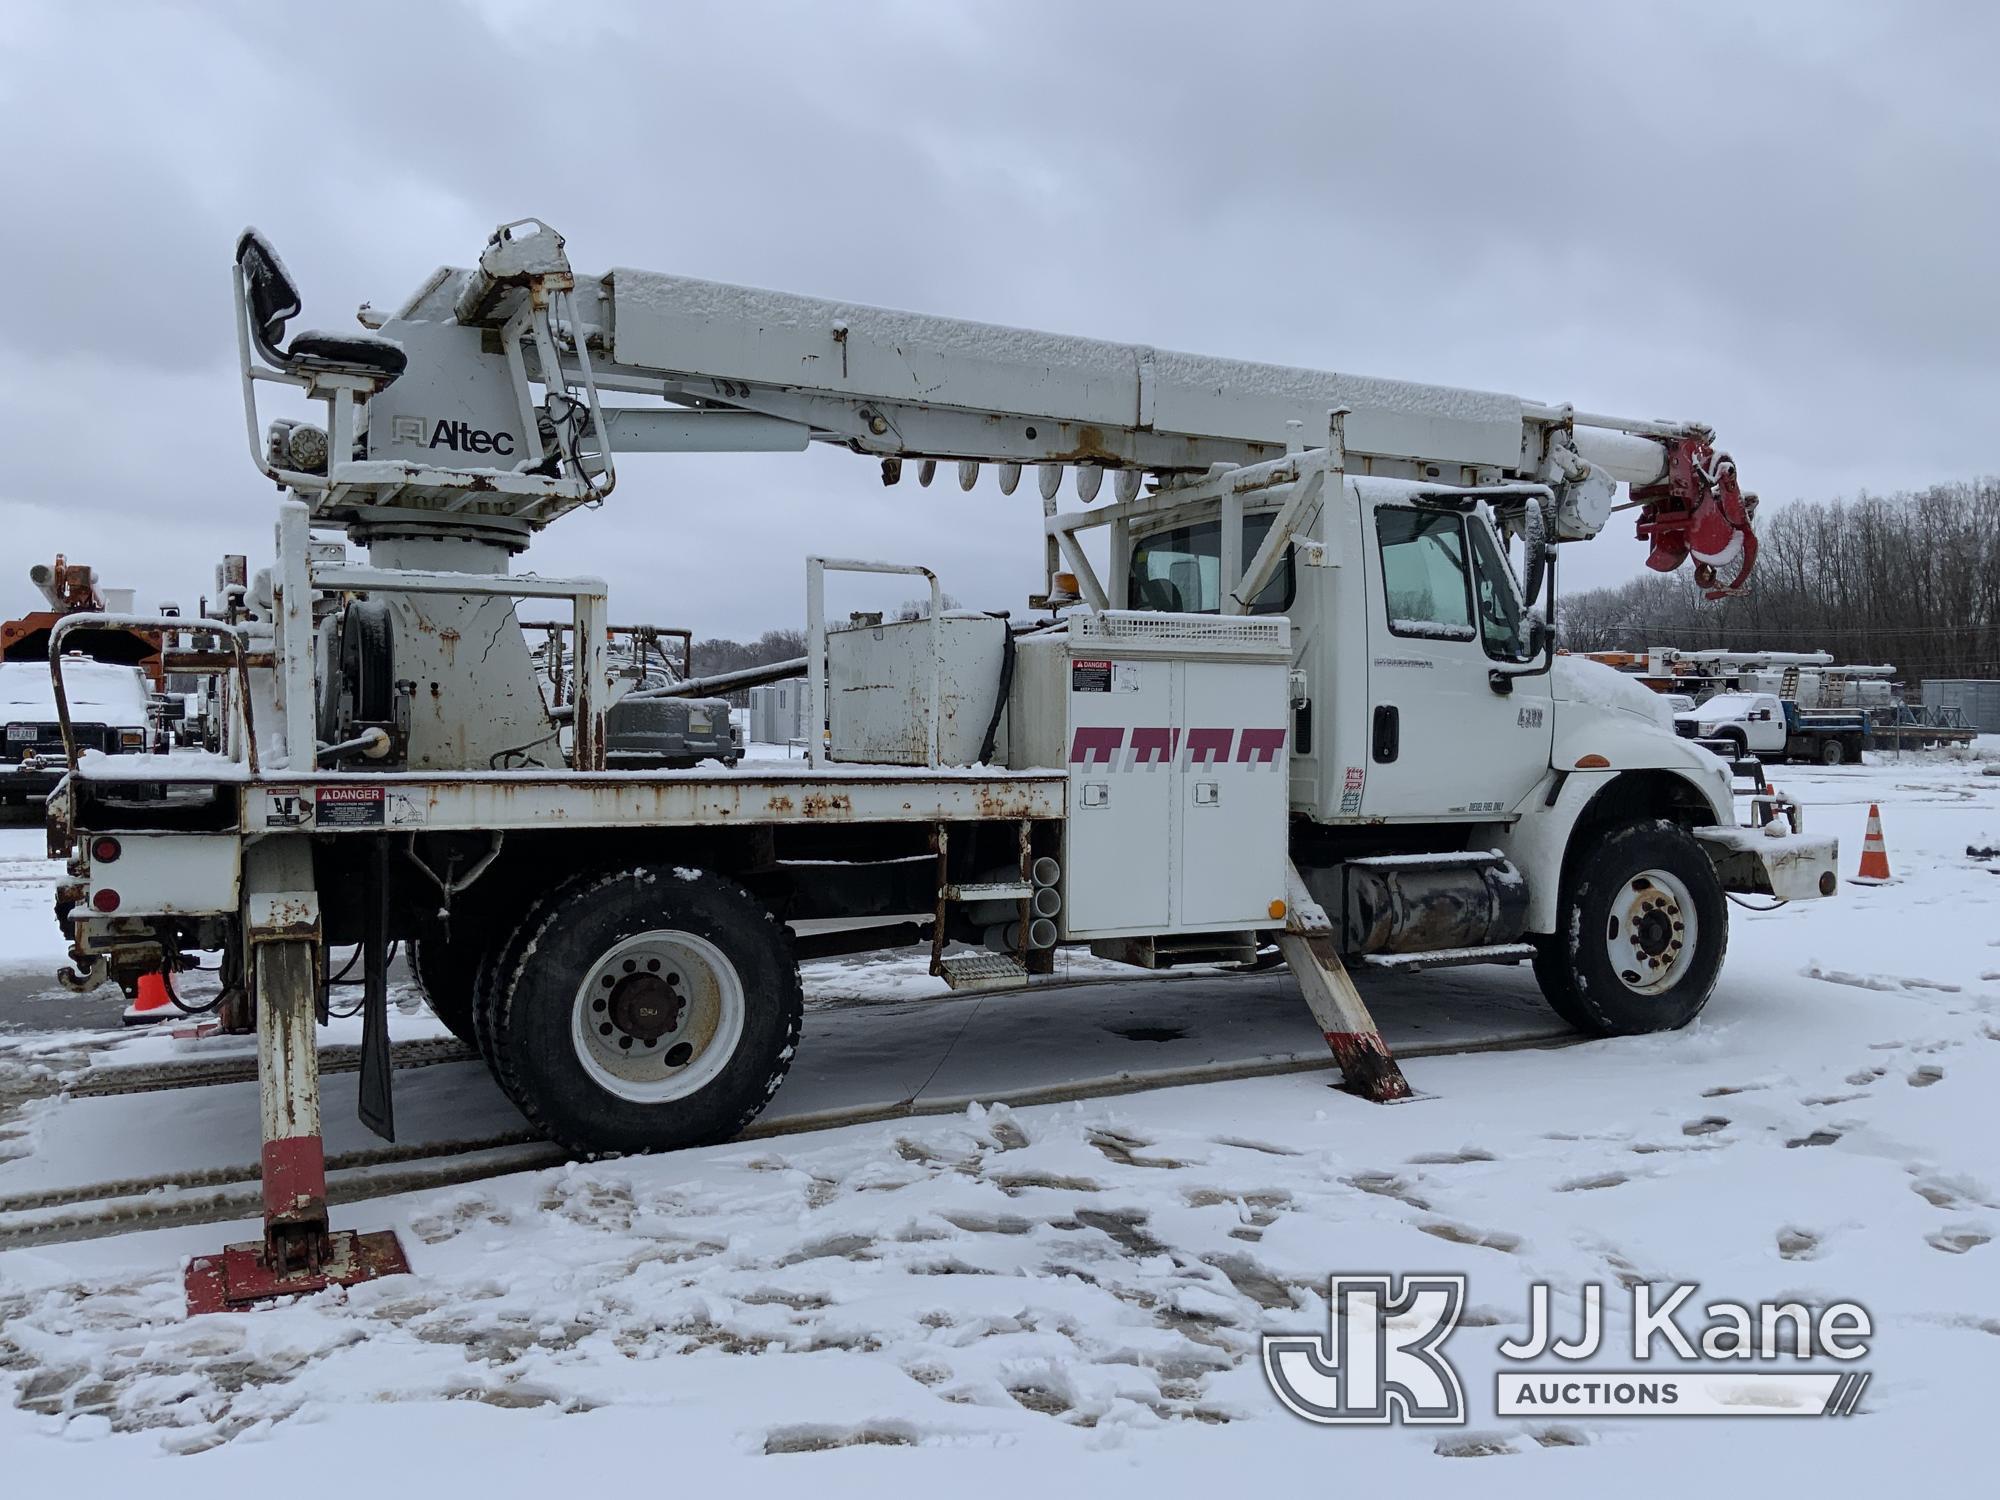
1140, 625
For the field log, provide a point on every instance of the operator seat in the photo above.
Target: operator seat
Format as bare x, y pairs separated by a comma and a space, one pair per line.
274, 300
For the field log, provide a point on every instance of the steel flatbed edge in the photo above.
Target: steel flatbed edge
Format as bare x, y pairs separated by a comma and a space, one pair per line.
360, 802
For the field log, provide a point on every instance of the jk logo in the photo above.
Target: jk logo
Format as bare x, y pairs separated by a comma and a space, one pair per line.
1378, 1362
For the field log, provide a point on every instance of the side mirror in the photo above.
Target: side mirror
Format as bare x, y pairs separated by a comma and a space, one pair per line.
1535, 550
1538, 636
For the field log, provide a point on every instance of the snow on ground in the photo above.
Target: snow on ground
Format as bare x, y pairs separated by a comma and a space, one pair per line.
29, 938
1070, 1296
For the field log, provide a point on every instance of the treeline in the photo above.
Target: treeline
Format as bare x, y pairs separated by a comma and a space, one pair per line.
720, 654
1911, 580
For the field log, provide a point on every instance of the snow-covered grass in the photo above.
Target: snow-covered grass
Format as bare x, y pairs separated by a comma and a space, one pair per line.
1069, 1297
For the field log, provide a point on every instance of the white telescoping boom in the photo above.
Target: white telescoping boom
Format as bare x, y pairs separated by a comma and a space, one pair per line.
760, 370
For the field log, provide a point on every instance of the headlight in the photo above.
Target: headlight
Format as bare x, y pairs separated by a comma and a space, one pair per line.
131, 739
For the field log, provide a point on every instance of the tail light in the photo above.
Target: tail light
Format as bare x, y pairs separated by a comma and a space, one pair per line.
105, 849
104, 900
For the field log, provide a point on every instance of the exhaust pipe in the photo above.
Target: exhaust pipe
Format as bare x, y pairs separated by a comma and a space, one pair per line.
1046, 902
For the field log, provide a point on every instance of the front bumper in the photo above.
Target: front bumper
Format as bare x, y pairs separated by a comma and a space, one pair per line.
1788, 866
30, 777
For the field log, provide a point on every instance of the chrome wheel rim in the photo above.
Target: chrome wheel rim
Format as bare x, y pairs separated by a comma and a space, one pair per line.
657, 1017
1652, 932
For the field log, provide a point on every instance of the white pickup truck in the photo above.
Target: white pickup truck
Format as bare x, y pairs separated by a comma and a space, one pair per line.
1765, 724
108, 706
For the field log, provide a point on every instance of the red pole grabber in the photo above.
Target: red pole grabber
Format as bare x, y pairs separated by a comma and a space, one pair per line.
299, 1253
1695, 508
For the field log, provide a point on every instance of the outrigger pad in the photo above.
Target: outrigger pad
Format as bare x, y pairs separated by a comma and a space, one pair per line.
238, 1278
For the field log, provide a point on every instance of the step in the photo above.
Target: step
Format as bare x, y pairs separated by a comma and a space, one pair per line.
983, 971
1447, 958
992, 890
1173, 949
1451, 859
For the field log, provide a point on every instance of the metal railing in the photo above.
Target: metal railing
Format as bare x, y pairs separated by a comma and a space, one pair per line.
816, 706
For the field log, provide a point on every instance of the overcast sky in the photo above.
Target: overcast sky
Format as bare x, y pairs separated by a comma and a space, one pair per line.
1780, 219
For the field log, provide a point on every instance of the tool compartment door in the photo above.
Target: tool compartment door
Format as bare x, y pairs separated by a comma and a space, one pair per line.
1117, 863
1233, 795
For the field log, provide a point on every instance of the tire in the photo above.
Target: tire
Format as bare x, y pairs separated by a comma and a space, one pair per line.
1633, 895
1832, 753
445, 972
500, 957
645, 1010
1737, 740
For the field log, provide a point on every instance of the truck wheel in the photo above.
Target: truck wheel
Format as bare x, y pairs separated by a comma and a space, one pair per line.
1832, 753
444, 972
1643, 932
514, 932
646, 1010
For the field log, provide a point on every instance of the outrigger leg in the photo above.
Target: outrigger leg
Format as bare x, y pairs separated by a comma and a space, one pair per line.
1367, 1067
299, 1253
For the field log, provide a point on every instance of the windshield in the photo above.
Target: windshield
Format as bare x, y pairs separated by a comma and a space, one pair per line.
1180, 571
1728, 706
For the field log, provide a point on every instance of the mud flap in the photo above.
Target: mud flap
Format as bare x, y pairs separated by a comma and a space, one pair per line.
377, 1104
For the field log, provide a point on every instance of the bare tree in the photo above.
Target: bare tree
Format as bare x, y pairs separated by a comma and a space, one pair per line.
1910, 580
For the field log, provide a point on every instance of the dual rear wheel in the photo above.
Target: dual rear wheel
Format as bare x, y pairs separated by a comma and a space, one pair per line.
641, 1009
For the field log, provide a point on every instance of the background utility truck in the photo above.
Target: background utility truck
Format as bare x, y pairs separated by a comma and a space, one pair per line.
1763, 724
1309, 703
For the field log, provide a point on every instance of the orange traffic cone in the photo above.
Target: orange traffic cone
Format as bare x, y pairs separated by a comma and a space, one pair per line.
153, 1004
1874, 853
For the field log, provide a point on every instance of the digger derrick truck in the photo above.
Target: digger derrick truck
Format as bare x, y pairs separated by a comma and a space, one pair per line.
1312, 703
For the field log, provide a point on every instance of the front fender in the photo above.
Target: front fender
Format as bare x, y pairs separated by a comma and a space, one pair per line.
1539, 838
1590, 738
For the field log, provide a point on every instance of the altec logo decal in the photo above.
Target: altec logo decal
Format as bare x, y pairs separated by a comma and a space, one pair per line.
458, 437
1149, 746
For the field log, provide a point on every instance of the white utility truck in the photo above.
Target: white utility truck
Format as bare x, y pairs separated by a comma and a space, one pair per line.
1309, 704
1762, 724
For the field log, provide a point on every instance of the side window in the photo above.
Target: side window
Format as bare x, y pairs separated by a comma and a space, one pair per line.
1424, 579
1180, 571
1501, 627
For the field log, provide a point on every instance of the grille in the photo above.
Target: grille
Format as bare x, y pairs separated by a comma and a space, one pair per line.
48, 740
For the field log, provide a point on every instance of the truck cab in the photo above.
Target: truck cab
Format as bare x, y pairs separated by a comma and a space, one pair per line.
1753, 722
1460, 793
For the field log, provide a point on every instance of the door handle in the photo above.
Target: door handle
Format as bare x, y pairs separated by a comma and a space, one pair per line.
1097, 794
1388, 733
1208, 794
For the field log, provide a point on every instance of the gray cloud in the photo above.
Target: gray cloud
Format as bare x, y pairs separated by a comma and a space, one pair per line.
1776, 218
